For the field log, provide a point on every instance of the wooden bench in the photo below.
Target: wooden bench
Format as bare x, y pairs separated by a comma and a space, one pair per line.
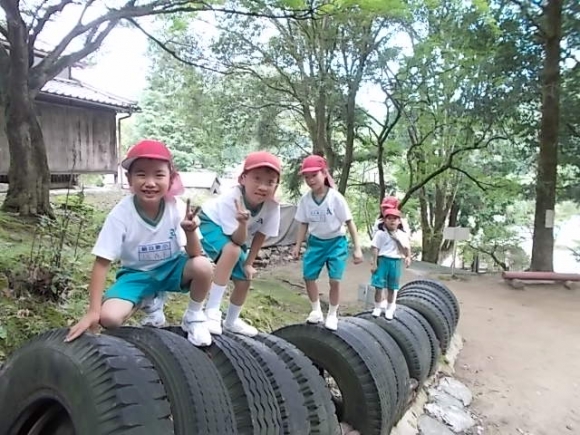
516, 279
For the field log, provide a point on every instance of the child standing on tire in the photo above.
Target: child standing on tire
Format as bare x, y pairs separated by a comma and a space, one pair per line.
234, 227
323, 213
390, 245
155, 237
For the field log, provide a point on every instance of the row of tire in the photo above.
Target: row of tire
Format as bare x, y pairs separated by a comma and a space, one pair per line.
137, 381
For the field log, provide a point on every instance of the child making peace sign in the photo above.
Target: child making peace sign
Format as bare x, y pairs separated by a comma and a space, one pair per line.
155, 236
242, 216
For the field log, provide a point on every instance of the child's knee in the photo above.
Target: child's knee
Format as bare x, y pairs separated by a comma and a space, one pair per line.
200, 266
111, 320
114, 312
231, 250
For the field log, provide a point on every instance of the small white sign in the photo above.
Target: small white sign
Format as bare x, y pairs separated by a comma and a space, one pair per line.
456, 233
549, 218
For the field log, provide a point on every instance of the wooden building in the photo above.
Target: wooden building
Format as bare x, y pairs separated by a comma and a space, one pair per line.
80, 126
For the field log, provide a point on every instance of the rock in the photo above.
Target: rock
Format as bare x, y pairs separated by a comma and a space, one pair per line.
458, 419
430, 426
571, 285
444, 399
516, 284
263, 254
456, 389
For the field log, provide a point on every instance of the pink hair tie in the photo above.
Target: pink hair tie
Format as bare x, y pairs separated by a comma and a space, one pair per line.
176, 188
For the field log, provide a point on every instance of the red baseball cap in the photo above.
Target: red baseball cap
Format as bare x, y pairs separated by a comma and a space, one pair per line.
391, 212
390, 202
147, 149
313, 163
262, 159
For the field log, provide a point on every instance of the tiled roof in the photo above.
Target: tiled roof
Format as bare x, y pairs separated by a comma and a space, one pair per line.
76, 90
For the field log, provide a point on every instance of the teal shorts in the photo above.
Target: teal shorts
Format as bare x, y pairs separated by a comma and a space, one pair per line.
332, 253
213, 243
388, 273
135, 285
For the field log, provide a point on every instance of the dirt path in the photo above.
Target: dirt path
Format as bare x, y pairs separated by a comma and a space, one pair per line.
521, 356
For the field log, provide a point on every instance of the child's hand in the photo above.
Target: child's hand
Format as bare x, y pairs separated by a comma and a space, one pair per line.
242, 215
296, 252
358, 256
189, 223
407, 261
90, 321
373, 268
249, 271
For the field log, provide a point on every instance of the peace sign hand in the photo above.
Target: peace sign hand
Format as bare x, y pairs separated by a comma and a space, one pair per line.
189, 222
242, 214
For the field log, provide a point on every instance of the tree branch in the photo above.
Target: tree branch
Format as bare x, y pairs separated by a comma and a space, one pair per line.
173, 53
45, 18
481, 184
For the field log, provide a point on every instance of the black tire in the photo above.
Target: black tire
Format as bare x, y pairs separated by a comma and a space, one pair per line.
355, 365
290, 401
434, 311
439, 288
440, 296
199, 400
95, 385
396, 363
316, 397
255, 406
412, 340
446, 309
408, 315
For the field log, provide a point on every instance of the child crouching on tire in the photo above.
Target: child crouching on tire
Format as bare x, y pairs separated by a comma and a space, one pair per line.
155, 237
390, 245
244, 215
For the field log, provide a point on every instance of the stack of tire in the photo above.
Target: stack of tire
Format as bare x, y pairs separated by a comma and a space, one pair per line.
145, 381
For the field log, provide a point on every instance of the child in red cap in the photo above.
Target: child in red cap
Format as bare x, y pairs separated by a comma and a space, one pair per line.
234, 227
389, 246
156, 238
323, 213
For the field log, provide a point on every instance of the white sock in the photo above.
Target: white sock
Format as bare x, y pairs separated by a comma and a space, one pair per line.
332, 310
195, 306
378, 304
216, 293
391, 306
316, 305
233, 313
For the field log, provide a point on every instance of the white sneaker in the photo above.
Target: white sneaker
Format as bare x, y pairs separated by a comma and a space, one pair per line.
331, 322
377, 312
242, 328
390, 312
153, 307
315, 317
194, 323
214, 321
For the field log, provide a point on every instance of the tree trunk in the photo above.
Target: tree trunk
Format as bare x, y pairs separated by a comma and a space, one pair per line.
28, 175
543, 238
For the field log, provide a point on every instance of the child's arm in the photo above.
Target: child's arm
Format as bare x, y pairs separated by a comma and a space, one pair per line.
357, 254
240, 235
193, 245
302, 229
374, 261
255, 247
189, 226
96, 287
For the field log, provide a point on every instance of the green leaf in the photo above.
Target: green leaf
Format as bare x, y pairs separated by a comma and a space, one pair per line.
3, 333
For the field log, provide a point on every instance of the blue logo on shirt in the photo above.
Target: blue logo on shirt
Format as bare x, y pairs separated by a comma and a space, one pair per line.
172, 234
328, 211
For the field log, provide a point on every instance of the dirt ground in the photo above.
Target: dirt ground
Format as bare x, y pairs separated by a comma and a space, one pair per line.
521, 354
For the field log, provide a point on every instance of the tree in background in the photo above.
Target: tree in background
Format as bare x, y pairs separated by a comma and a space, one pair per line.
21, 79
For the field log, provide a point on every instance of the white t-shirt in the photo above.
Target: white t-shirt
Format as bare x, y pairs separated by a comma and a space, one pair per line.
138, 244
325, 220
387, 246
222, 211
